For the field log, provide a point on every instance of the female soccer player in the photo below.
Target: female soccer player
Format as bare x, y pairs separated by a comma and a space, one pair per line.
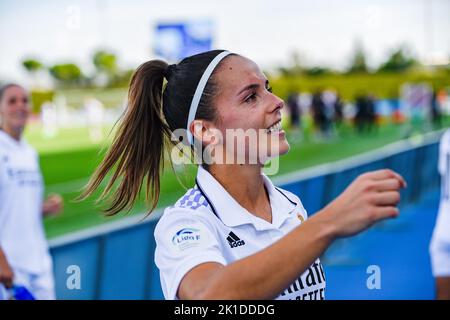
24, 257
234, 235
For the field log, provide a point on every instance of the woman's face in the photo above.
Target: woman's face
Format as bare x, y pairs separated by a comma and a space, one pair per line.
14, 109
244, 101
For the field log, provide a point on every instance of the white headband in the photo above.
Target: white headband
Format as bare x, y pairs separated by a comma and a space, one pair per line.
199, 91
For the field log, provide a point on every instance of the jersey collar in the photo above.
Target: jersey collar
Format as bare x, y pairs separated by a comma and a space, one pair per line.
232, 214
6, 138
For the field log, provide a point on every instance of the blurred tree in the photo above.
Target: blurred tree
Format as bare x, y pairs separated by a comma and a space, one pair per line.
32, 65
296, 62
105, 61
106, 64
295, 66
400, 60
123, 78
318, 71
38, 97
67, 74
358, 62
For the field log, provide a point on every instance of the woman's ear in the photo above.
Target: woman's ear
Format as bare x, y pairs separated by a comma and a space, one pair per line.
196, 129
205, 132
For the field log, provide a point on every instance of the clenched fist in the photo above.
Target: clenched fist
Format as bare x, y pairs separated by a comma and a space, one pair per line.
371, 197
53, 205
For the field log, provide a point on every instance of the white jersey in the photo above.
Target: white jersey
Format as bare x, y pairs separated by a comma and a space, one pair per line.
208, 225
22, 236
440, 243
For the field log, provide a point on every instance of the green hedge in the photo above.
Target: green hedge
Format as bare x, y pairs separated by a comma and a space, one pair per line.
384, 85
39, 97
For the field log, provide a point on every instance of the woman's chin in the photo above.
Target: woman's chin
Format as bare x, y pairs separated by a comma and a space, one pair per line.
284, 147
281, 149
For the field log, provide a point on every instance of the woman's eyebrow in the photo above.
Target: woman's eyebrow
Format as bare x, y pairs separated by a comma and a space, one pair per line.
252, 86
249, 87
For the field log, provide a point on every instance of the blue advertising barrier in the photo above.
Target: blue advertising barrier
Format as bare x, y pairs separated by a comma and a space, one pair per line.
116, 260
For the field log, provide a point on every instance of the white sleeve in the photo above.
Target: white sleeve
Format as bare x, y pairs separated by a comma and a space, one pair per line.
440, 246
444, 150
2, 193
183, 241
440, 241
2, 169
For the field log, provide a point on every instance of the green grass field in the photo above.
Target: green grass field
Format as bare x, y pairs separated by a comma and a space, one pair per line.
69, 159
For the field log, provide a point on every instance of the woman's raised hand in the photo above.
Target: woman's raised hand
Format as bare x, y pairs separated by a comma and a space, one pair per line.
371, 197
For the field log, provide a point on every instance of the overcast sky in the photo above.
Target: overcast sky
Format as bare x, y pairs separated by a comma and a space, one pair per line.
323, 31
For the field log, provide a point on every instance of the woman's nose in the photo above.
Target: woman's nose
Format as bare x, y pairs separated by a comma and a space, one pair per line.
277, 103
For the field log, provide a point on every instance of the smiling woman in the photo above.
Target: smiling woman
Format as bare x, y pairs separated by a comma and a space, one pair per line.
233, 235
24, 256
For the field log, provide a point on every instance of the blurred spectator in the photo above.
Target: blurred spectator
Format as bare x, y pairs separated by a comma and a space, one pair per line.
304, 102
329, 100
435, 112
321, 115
338, 111
294, 110
365, 118
371, 100
24, 256
415, 100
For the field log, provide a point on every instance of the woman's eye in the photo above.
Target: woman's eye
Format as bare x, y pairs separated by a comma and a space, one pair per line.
250, 98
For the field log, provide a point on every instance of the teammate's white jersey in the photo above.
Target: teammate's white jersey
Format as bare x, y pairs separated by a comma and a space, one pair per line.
22, 236
440, 243
208, 225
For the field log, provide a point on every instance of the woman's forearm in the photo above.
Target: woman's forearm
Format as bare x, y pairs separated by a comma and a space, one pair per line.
6, 273
266, 274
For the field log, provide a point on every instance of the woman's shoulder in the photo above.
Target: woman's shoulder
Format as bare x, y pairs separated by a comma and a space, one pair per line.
191, 207
8, 146
193, 199
445, 140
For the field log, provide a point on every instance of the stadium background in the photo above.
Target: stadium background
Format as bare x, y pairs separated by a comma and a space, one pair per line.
115, 255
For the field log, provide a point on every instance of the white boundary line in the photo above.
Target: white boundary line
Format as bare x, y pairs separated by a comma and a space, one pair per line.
332, 167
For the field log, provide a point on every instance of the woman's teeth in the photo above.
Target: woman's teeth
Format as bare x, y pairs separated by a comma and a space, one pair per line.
275, 128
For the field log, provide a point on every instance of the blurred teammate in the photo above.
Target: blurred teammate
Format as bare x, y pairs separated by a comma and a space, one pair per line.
234, 235
440, 242
24, 256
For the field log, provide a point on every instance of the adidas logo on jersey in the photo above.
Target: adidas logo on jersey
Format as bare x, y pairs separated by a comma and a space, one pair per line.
234, 241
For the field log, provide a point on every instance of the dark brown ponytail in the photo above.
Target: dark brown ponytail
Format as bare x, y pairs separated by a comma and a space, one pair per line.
137, 150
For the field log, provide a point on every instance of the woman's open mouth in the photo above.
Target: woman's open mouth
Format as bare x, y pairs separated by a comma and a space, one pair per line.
275, 128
